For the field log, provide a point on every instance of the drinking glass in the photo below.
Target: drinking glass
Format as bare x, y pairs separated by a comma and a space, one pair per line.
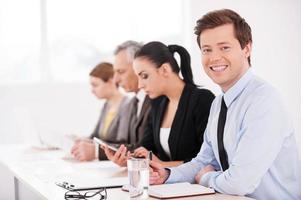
138, 173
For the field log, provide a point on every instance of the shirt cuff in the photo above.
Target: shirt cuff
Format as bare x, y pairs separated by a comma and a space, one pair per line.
207, 178
172, 178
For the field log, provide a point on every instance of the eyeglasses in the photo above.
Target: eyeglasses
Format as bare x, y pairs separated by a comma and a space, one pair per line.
75, 195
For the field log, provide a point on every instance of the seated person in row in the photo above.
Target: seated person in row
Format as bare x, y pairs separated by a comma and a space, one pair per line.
179, 110
112, 126
125, 77
249, 145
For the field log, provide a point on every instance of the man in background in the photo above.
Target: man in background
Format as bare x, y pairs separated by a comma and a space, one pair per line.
140, 105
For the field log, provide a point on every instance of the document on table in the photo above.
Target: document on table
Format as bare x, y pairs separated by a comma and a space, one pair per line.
178, 190
89, 184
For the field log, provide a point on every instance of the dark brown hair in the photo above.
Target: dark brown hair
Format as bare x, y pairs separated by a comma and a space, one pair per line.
159, 53
103, 71
216, 18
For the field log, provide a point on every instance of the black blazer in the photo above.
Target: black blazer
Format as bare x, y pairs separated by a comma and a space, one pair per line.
188, 126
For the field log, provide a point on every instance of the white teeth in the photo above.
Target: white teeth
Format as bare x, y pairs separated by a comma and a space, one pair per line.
219, 68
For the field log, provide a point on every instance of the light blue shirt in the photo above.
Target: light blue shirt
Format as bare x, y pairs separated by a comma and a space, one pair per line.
259, 140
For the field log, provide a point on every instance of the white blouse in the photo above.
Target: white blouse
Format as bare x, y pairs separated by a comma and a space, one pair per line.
164, 135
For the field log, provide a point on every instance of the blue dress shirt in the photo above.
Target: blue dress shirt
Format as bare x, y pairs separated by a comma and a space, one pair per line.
259, 140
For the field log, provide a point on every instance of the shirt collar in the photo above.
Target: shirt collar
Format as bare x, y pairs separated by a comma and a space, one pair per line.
238, 87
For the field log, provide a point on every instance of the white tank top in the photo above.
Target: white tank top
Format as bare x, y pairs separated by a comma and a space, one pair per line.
164, 135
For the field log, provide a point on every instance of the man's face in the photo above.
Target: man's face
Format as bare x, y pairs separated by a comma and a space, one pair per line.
222, 57
124, 74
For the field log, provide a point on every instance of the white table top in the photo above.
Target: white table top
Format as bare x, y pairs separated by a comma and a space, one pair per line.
40, 169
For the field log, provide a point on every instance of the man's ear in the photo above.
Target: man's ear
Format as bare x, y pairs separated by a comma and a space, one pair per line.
248, 49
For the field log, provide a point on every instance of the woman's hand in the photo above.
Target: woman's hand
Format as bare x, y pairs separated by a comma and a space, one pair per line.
83, 150
119, 157
143, 152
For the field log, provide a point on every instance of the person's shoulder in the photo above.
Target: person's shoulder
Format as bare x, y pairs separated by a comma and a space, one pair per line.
203, 94
261, 93
261, 88
125, 104
105, 105
199, 98
125, 100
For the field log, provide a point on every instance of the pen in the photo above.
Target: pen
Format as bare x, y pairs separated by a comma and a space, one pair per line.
150, 155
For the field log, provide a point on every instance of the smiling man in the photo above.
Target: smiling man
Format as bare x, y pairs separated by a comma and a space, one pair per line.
249, 146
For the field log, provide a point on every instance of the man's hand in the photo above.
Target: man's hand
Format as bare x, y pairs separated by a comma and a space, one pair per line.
157, 174
198, 177
120, 157
83, 150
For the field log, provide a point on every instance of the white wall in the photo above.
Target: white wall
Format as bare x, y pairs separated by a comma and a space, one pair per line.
57, 108
49, 109
276, 28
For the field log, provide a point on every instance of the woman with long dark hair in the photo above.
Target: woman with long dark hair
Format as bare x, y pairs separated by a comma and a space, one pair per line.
179, 111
